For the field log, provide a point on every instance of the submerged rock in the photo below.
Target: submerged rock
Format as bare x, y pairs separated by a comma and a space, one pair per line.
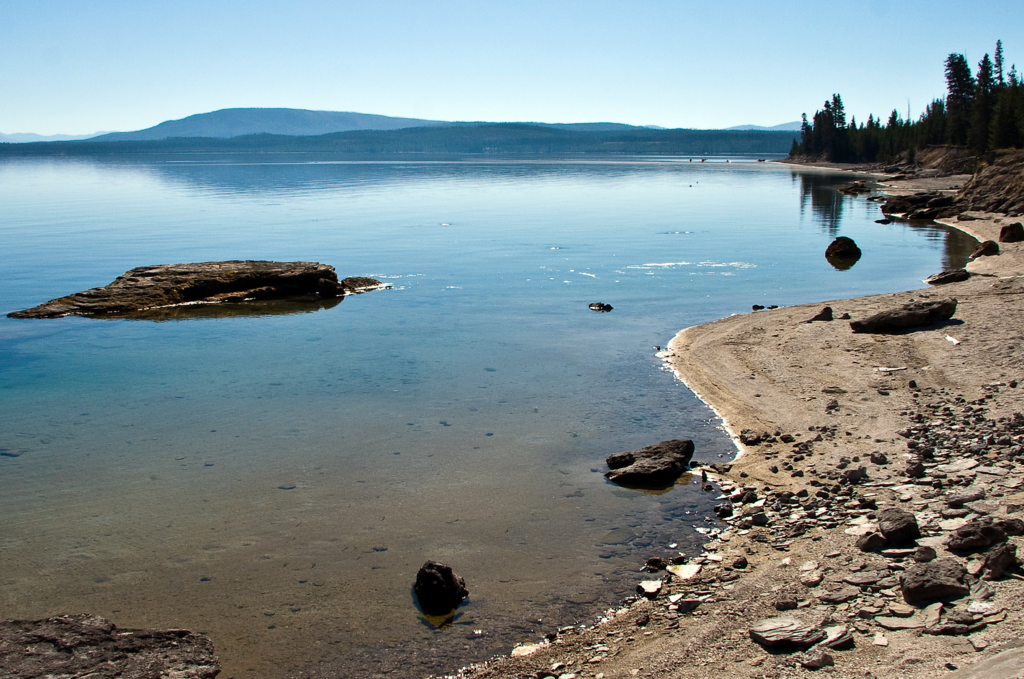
170, 285
90, 646
656, 466
438, 589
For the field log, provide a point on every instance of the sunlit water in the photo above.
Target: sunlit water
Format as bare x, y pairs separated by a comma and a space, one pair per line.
276, 481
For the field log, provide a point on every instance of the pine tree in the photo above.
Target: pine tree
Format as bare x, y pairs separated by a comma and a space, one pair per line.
1007, 130
960, 86
999, 63
984, 105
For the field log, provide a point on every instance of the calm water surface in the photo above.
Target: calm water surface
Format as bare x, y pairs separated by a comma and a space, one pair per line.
277, 480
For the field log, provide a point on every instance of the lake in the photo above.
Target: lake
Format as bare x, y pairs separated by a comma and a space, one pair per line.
275, 480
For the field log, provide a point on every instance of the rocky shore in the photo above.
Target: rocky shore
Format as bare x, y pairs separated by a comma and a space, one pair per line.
870, 524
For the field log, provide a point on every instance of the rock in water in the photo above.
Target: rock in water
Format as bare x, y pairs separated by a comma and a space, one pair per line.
438, 589
907, 316
168, 285
785, 633
89, 646
842, 253
656, 466
952, 276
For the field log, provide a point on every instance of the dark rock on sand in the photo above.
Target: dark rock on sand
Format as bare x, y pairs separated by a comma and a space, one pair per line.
933, 580
1012, 233
823, 315
842, 253
986, 249
998, 560
89, 646
952, 276
899, 527
169, 285
976, 535
438, 589
656, 466
871, 542
785, 633
907, 316
600, 306
749, 437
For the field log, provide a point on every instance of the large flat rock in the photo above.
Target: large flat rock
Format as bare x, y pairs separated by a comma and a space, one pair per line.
656, 466
89, 646
171, 285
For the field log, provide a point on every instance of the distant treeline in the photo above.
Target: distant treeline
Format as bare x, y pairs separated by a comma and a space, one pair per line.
983, 111
468, 139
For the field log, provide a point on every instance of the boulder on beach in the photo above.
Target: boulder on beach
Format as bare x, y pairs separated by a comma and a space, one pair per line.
90, 646
987, 248
438, 589
898, 526
656, 466
951, 276
785, 633
175, 285
934, 580
842, 253
1012, 233
907, 316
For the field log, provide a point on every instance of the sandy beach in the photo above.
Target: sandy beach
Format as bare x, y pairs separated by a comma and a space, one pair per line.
828, 400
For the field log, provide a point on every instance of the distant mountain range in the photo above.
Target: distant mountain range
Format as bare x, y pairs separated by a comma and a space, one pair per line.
27, 137
293, 122
236, 122
784, 127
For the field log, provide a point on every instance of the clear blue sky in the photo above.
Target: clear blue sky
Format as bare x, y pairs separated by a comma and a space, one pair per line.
77, 66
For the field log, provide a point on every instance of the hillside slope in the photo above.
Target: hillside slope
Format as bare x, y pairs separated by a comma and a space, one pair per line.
235, 122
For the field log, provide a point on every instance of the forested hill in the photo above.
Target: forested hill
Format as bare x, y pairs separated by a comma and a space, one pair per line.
467, 139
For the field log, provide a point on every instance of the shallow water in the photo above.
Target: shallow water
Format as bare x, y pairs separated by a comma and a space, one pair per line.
276, 480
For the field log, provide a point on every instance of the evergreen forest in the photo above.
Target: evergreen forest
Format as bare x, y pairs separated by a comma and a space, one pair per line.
982, 111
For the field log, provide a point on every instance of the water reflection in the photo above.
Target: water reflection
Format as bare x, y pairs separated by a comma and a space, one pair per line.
819, 193
256, 308
957, 246
826, 203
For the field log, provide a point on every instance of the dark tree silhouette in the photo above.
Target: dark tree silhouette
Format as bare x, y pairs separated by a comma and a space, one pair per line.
960, 87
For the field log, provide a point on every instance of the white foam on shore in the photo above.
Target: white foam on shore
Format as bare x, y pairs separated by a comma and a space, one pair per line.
666, 356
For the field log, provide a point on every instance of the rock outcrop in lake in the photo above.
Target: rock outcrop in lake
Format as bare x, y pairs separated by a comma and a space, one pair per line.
438, 589
90, 646
842, 253
656, 466
169, 285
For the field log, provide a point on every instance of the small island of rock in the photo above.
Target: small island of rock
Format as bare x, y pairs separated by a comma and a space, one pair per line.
170, 285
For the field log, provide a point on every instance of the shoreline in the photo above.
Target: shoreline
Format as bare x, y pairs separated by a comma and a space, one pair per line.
775, 373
